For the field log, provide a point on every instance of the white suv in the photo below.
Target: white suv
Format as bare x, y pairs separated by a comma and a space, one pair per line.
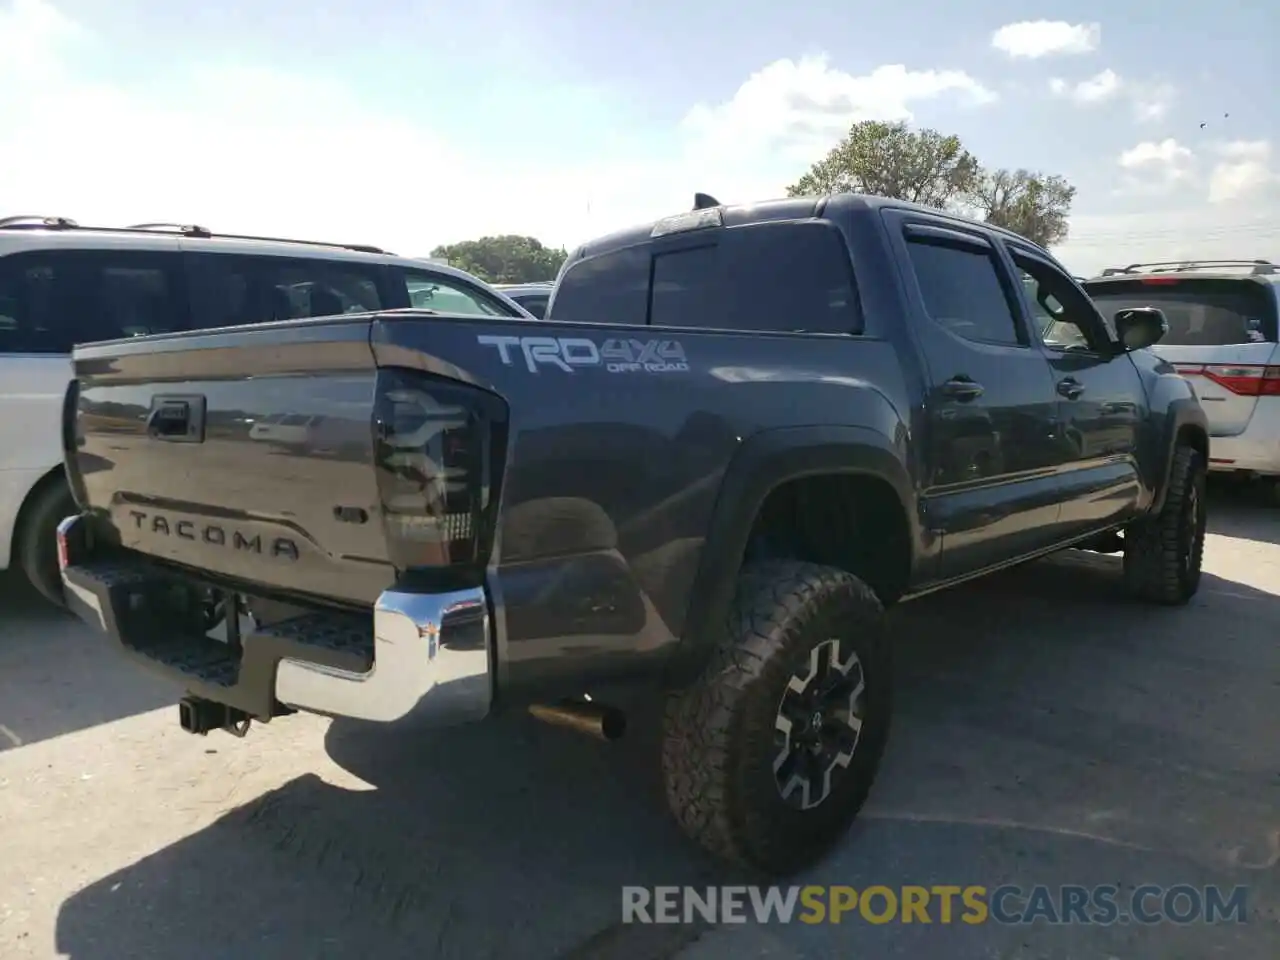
1223, 317
63, 284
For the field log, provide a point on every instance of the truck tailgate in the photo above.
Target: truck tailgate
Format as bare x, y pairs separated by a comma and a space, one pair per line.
243, 452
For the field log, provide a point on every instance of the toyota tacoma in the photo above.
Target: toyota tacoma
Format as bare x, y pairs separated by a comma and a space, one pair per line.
739, 435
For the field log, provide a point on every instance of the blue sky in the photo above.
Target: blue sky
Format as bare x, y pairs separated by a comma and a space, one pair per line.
414, 123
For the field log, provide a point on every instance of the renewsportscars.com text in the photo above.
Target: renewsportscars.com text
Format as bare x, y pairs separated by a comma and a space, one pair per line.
973, 904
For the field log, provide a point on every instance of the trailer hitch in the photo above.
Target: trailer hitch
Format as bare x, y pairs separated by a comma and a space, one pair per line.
199, 716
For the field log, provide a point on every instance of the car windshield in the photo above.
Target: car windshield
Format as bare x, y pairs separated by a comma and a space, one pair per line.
1200, 312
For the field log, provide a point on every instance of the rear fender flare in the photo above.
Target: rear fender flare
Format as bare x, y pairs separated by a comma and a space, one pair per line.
761, 464
1184, 416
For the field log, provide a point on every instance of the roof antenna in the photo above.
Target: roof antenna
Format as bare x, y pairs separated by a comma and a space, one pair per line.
702, 201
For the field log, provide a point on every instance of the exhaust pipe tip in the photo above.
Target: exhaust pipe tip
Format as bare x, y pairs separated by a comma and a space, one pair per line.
593, 719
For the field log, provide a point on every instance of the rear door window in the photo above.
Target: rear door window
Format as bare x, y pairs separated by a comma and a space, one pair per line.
961, 288
1201, 311
790, 277
781, 276
233, 290
51, 300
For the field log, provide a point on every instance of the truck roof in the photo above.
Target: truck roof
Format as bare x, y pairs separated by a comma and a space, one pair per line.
790, 208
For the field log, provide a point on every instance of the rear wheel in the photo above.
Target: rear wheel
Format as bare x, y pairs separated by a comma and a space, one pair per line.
770, 755
36, 549
1163, 553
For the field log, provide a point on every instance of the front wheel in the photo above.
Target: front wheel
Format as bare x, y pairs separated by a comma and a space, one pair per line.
770, 755
1163, 553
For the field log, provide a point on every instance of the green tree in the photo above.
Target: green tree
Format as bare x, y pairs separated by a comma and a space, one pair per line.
1029, 203
504, 259
891, 160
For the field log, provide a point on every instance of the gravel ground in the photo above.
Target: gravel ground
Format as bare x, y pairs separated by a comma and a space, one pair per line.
1048, 732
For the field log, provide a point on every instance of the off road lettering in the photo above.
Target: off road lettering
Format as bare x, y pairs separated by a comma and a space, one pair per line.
569, 353
651, 356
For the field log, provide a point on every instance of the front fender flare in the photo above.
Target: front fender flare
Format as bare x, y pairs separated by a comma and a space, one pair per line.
762, 463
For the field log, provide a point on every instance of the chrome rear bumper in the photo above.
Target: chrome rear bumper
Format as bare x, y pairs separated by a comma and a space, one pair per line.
430, 660
420, 656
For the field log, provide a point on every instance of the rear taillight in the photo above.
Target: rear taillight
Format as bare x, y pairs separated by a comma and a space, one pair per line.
1245, 379
439, 446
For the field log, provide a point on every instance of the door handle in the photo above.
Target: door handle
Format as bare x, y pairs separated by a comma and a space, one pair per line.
1070, 387
962, 388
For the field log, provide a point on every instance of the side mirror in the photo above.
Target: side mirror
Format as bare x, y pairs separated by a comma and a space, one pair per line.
1140, 327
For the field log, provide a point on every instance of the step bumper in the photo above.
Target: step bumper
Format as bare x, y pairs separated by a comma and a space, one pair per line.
415, 657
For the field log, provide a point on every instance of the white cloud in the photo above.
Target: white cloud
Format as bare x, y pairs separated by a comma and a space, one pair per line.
1034, 39
1167, 153
1157, 166
1096, 89
1243, 170
253, 149
1151, 99
804, 106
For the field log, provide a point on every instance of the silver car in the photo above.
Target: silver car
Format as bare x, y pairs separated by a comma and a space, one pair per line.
532, 296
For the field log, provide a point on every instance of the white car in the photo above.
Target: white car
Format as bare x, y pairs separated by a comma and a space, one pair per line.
1223, 317
62, 284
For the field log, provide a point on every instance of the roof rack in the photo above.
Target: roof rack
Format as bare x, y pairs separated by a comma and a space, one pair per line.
186, 229
35, 222
30, 222
1260, 267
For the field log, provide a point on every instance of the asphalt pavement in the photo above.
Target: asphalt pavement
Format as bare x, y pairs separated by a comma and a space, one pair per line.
1049, 731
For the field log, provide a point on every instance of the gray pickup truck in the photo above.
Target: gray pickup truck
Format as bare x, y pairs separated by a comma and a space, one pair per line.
739, 435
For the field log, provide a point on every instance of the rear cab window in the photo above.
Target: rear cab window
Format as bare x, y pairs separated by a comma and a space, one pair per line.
777, 276
51, 300
1201, 311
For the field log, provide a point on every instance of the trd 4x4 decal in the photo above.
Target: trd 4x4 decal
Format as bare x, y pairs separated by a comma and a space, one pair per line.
568, 353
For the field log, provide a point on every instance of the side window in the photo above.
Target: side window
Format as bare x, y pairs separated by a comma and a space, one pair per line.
30, 318
1063, 317
231, 290
52, 300
433, 291
787, 277
609, 288
962, 290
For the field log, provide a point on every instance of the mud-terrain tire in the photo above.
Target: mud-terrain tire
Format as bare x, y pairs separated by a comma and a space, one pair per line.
721, 744
1163, 553
36, 546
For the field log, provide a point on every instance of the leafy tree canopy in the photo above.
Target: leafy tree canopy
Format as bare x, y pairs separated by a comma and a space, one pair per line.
1034, 205
934, 169
509, 258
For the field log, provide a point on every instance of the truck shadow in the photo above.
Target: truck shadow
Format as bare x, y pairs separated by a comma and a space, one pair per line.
1040, 714
57, 676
